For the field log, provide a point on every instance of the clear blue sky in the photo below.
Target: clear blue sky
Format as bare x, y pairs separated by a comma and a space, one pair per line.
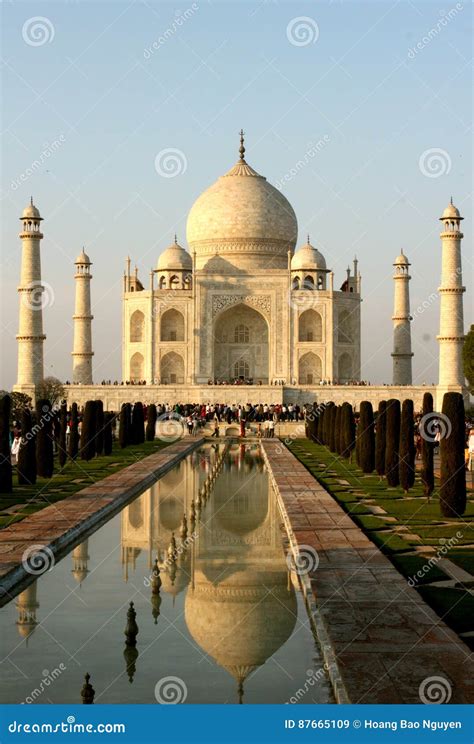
93, 88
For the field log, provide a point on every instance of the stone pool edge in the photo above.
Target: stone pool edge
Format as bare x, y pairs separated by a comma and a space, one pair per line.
328, 652
141, 475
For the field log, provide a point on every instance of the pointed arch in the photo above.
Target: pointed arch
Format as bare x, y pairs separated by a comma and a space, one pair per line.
172, 369
137, 326
172, 325
345, 373
137, 366
310, 326
309, 369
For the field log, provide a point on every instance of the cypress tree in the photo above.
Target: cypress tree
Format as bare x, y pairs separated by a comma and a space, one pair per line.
74, 433
321, 425
108, 418
406, 450
26, 465
392, 440
348, 431
62, 453
123, 426
327, 423
332, 428
380, 436
44, 439
88, 431
6, 482
99, 427
366, 437
452, 487
337, 431
138, 424
151, 416
427, 447
128, 428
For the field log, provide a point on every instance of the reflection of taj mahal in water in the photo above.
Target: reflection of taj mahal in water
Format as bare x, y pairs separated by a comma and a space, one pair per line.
240, 607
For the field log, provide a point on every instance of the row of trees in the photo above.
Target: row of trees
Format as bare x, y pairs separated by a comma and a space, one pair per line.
386, 444
45, 430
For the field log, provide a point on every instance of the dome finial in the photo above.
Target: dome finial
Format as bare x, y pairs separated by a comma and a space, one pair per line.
308, 239
31, 201
451, 201
242, 148
175, 239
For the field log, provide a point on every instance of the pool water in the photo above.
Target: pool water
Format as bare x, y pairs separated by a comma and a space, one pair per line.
229, 624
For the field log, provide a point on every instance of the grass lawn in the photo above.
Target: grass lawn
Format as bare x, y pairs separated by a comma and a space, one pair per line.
400, 525
75, 475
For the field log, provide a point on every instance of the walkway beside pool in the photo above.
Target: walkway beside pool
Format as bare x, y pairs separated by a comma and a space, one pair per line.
381, 642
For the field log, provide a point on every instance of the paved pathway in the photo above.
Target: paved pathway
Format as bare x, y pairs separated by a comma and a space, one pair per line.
380, 640
62, 525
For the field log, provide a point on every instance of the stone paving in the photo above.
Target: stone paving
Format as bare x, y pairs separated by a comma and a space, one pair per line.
62, 525
381, 642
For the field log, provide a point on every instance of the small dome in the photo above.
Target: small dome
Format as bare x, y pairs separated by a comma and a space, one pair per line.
175, 258
31, 212
401, 260
451, 212
82, 258
308, 257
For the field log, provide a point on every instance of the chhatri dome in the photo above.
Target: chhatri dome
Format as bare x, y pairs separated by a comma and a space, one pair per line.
243, 219
174, 258
31, 212
308, 257
451, 212
401, 260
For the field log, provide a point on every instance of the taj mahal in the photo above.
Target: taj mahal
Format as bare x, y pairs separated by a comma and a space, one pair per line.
241, 313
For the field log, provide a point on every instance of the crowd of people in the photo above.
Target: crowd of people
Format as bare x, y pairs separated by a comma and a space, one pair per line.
194, 416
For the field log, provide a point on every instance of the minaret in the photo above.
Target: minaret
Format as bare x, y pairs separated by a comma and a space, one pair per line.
451, 322
402, 353
82, 350
30, 335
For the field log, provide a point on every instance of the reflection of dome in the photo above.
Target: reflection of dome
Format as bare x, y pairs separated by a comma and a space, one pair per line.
174, 585
242, 621
308, 257
171, 513
175, 258
244, 217
241, 513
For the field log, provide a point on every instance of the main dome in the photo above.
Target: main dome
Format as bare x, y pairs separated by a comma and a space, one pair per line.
243, 219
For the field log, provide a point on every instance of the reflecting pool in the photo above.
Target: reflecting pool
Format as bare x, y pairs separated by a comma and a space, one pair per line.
228, 625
